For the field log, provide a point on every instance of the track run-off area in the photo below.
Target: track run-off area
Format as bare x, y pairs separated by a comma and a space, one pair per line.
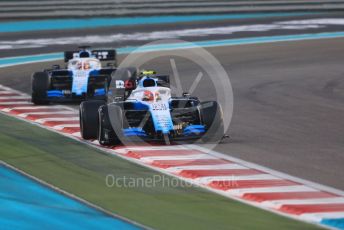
24, 197
217, 171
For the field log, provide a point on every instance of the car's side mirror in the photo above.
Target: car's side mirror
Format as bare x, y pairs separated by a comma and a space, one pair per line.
56, 67
186, 94
110, 64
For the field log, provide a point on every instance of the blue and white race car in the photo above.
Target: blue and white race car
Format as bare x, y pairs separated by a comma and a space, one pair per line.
83, 78
143, 109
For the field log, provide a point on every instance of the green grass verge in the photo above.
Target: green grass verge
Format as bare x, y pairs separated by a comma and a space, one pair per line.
81, 170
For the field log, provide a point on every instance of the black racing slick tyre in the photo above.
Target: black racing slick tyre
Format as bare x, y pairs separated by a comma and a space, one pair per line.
40, 86
212, 118
110, 131
88, 113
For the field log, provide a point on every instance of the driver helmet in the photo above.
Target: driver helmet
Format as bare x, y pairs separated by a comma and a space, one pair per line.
148, 96
87, 65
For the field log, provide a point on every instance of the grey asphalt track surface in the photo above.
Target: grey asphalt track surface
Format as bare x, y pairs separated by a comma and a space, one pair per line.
288, 103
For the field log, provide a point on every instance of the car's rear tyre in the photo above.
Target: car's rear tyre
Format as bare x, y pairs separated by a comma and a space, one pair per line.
212, 118
40, 86
110, 131
88, 113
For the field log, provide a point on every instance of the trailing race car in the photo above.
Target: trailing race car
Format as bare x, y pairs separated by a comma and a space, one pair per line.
83, 78
143, 109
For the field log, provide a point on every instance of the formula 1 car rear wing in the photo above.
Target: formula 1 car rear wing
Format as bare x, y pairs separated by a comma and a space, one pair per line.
102, 55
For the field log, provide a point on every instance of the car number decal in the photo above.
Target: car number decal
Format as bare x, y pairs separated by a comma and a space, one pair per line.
159, 106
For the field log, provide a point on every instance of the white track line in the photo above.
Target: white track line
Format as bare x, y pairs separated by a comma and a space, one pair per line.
14, 98
205, 167
207, 180
277, 189
15, 103
177, 157
317, 217
45, 113
150, 148
32, 108
60, 127
77, 134
36, 107
278, 203
6, 93
43, 120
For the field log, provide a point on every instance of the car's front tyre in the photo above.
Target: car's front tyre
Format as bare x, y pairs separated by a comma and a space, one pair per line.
110, 131
40, 86
88, 114
212, 119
